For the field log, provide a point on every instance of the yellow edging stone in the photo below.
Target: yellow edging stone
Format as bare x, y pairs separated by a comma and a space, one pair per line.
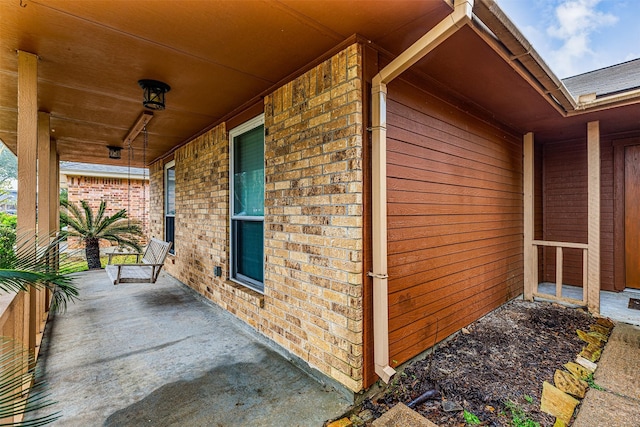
569, 383
579, 371
557, 403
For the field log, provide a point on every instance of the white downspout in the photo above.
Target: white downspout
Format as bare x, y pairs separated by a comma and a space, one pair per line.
461, 16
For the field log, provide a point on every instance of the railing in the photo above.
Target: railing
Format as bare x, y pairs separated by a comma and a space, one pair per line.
23, 316
559, 260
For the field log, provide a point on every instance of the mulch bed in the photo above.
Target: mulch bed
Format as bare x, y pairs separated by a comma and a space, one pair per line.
504, 357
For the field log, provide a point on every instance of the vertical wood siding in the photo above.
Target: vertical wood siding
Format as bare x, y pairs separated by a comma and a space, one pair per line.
565, 208
455, 219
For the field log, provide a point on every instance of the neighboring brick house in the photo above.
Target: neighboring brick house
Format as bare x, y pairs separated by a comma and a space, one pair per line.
121, 187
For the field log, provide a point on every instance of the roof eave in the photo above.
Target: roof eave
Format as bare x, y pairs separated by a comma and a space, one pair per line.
521, 55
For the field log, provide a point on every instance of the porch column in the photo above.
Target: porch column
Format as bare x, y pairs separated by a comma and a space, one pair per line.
45, 196
44, 175
54, 187
54, 201
592, 291
27, 143
530, 258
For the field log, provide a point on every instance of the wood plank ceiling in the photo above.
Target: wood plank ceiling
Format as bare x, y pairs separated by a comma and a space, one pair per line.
216, 55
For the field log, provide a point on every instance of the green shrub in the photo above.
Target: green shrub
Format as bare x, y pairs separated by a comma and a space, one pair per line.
7, 243
8, 220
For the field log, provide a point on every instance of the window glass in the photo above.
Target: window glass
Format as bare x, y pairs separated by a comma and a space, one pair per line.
248, 173
247, 204
171, 191
249, 242
170, 206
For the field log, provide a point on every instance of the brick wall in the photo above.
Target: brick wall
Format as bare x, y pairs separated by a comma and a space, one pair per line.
117, 193
312, 303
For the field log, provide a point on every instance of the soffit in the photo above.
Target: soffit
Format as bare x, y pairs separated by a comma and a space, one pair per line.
472, 70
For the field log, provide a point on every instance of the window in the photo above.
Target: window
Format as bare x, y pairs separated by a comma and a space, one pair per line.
170, 204
247, 203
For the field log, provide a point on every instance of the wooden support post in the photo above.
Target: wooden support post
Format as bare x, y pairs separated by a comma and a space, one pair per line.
44, 175
54, 202
585, 274
530, 269
559, 262
593, 166
27, 142
44, 200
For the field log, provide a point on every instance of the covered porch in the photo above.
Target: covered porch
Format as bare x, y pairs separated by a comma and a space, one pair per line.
158, 354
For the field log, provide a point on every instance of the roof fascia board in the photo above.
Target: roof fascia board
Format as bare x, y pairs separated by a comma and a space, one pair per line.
606, 102
505, 38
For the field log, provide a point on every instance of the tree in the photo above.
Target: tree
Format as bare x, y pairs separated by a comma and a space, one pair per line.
91, 228
8, 167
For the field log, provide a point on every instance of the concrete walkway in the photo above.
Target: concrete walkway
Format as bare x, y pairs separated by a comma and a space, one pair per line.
618, 373
158, 355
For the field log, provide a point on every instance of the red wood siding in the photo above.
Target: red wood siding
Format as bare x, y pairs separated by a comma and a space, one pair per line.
565, 208
454, 219
607, 263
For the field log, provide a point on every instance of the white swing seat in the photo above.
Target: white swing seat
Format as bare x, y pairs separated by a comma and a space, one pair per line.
145, 271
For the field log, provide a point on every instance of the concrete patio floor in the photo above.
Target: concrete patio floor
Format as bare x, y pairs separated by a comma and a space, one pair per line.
614, 305
159, 355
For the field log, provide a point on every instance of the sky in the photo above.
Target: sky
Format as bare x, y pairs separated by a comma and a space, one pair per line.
576, 36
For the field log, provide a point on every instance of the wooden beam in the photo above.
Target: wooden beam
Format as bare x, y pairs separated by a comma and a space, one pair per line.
530, 269
593, 166
137, 127
551, 243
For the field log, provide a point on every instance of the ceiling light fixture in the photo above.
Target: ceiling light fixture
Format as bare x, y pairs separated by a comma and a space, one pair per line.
153, 97
115, 152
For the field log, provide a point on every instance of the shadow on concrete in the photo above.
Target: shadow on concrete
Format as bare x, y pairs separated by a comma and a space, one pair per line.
267, 392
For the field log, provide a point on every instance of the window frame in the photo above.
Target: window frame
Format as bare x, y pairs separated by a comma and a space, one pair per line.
233, 219
167, 167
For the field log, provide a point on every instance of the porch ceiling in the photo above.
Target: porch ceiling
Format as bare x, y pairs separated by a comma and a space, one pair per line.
216, 55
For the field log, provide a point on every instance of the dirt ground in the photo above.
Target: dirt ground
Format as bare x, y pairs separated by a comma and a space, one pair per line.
498, 362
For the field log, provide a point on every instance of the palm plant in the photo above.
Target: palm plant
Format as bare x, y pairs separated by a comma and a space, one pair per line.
91, 228
34, 265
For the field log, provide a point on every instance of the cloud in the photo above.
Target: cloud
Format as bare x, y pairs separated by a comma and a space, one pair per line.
575, 22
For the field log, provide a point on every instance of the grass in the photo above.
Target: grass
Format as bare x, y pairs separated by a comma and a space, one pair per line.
592, 383
75, 264
470, 418
519, 417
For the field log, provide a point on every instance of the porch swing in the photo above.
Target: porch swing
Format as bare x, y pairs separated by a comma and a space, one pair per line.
148, 265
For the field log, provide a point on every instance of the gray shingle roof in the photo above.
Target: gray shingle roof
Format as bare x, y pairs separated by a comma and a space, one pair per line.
107, 169
606, 81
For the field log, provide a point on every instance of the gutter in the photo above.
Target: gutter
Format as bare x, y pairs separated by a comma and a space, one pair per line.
116, 175
606, 102
519, 53
461, 16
